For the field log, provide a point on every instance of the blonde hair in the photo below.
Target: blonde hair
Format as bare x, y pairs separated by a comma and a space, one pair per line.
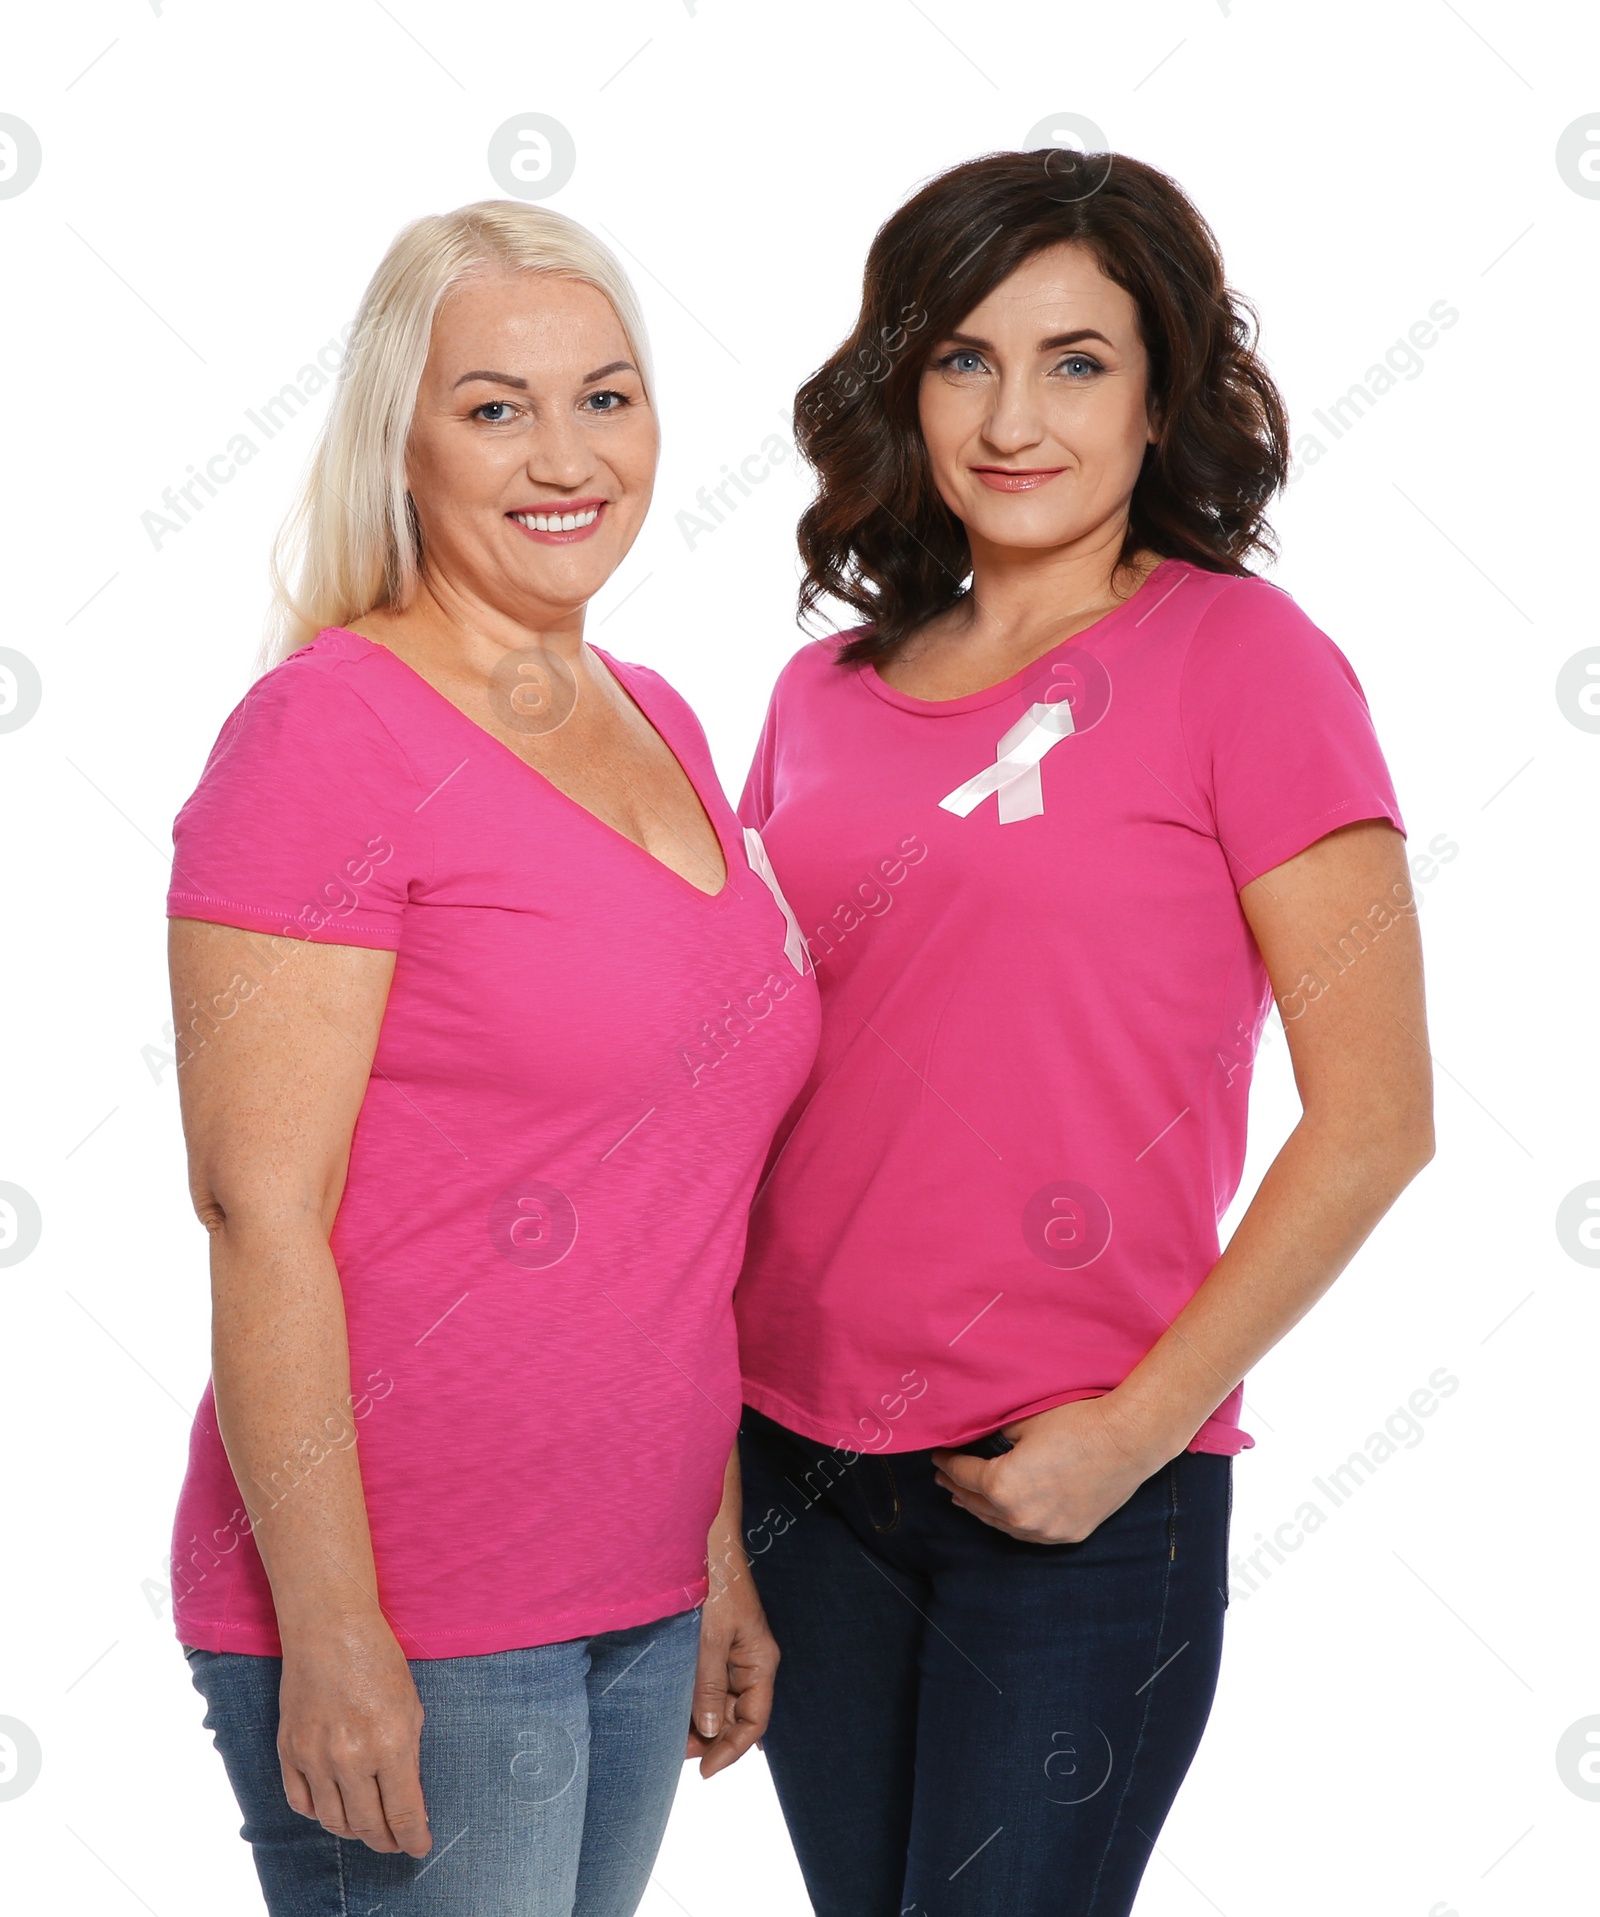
350, 540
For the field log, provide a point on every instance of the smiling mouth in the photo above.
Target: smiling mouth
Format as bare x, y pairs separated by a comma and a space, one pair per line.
561, 526
1014, 479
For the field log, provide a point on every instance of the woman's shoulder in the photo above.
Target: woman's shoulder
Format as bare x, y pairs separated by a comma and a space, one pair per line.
313, 711
1252, 639
1237, 617
333, 658
819, 665
334, 684
304, 786
1242, 600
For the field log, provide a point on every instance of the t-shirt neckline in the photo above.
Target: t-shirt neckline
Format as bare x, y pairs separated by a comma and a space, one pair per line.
629, 685
1139, 598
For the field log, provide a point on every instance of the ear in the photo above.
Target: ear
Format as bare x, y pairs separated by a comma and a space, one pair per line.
1153, 415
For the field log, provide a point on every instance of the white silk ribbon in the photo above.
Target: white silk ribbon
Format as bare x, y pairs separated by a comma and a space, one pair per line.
794, 945
1015, 772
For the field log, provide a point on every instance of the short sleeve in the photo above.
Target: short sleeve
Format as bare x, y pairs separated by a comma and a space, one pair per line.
1279, 738
304, 823
755, 802
762, 785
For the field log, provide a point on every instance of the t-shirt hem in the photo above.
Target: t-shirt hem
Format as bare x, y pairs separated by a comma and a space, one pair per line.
472, 1640
1291, 842
1215, 1435
350, 928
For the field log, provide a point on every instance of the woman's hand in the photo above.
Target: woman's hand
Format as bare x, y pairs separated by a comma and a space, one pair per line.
733, 1685
349, 1730
738, 1654
1070, 1468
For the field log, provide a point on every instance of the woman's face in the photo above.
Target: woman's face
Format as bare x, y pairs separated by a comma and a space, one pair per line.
1034, 409
530, 406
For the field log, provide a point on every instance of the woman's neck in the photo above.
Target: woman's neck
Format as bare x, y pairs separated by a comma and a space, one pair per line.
1022, 604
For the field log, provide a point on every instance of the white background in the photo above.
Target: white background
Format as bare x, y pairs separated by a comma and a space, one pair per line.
219, 181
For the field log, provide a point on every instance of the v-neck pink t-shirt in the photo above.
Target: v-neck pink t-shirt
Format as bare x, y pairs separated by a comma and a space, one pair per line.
579, 1070
1040, 1003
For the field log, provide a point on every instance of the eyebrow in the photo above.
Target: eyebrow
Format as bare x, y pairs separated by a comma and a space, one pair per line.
1045, 345
510, 379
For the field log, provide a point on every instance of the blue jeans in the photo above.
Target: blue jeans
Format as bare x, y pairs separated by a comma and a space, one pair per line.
967, 1725
548, 1775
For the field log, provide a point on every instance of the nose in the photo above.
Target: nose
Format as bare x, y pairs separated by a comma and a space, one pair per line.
1014, 423
559, 454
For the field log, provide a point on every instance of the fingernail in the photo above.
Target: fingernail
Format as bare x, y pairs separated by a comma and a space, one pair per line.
708, 1723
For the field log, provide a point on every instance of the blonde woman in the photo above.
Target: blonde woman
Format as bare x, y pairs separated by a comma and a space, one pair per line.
488, 1020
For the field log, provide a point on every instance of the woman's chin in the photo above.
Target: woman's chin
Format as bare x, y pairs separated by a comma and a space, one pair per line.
566, 577
1023, 532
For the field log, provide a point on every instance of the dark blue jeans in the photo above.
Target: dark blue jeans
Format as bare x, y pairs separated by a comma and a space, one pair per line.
967, 1725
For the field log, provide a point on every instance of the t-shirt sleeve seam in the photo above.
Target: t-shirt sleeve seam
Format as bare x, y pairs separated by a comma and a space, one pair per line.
316, 717
1201, 788
375, 925
1295, 839
761, 765
765, 757
353, 687
1291, 839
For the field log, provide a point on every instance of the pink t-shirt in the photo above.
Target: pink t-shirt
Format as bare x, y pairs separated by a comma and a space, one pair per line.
579, 1070
1040, 1003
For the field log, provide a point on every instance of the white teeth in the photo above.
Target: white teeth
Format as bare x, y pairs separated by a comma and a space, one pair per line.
557, 522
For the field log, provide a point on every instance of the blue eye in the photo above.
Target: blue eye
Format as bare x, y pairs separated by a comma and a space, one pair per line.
620, 399
963, 353
1083, 359
482, 412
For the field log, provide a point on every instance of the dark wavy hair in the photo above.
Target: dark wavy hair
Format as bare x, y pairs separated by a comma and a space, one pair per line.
877, 536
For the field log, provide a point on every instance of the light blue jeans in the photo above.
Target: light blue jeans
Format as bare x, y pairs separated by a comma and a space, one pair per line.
548, 1775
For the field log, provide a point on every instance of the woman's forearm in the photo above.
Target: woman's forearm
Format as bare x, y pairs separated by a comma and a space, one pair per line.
738, 1658
726, 1562
281, 1372
1322, 1195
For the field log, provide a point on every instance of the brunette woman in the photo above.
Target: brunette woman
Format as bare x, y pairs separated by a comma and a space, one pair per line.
1059, 817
